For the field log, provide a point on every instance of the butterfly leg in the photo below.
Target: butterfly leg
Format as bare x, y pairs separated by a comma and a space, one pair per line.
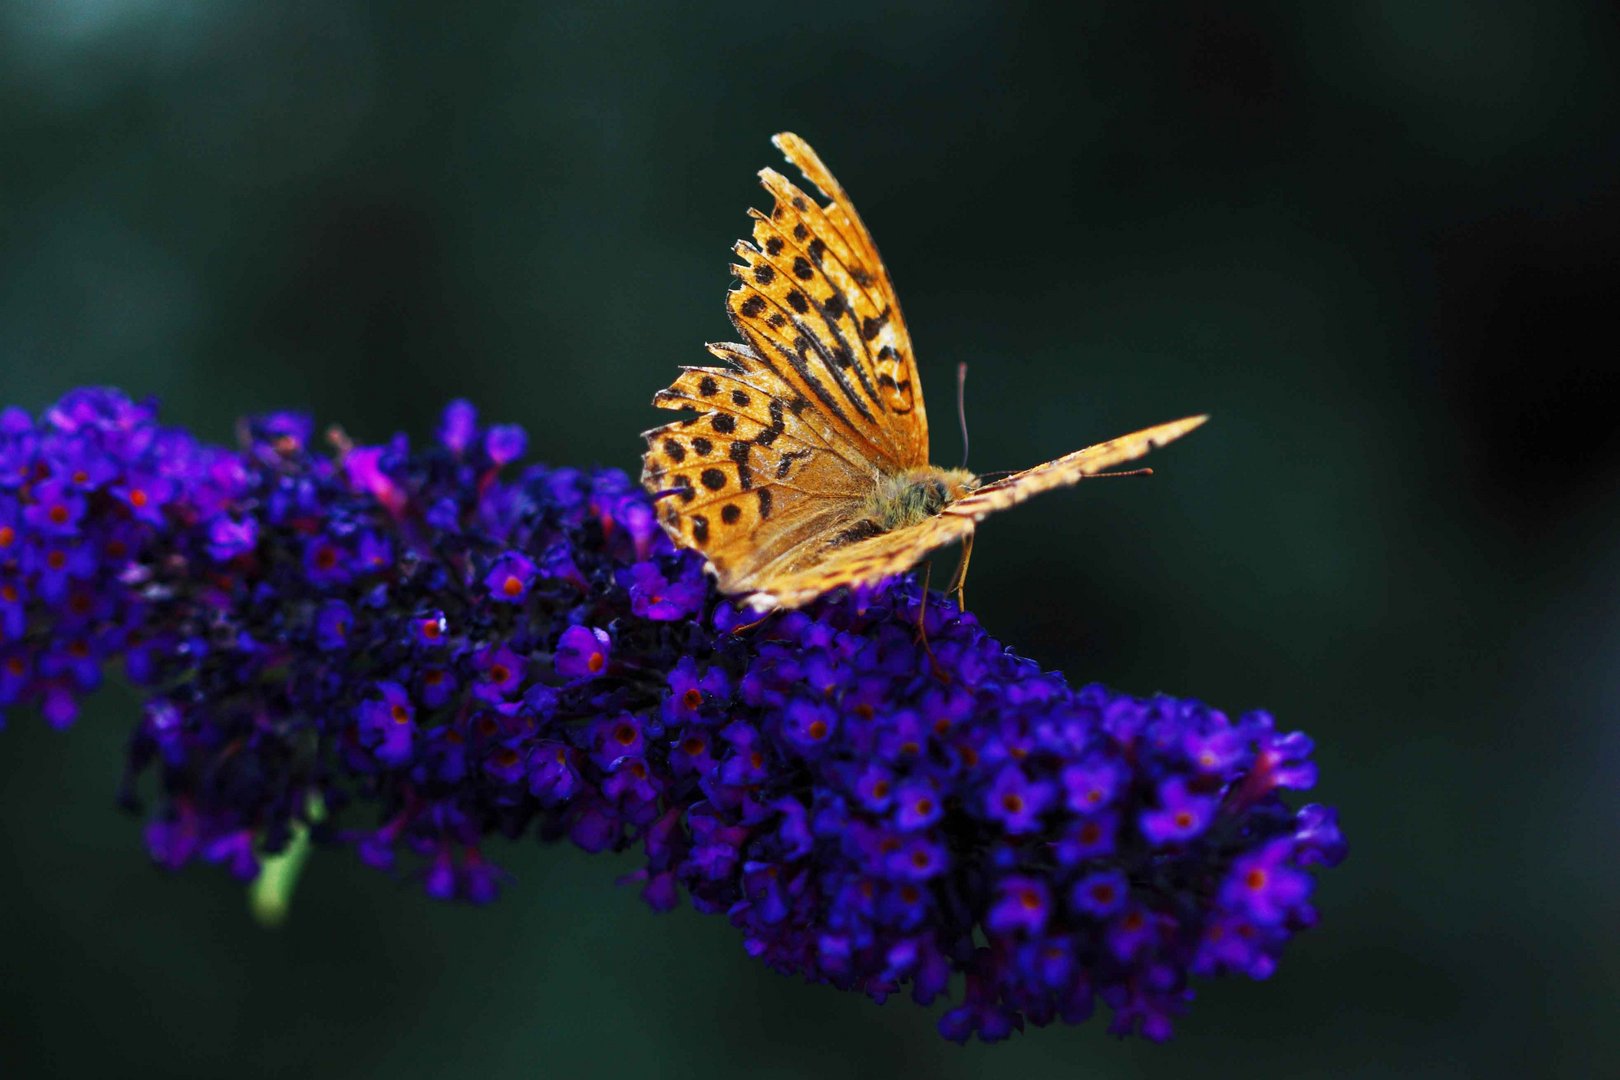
922, 607
922, 625
959, 580
743, 628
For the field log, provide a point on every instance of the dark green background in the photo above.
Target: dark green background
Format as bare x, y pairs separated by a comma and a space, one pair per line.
1377, 241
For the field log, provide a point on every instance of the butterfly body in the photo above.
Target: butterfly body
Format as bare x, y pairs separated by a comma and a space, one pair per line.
806, 467
901, 500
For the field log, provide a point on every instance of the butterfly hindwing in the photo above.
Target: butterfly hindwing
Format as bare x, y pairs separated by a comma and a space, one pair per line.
869, 560
749, 468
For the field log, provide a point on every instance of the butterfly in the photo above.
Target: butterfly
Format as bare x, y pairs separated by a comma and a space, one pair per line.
807, 466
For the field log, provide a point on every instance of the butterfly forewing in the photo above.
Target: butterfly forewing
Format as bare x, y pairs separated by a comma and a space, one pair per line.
840, 226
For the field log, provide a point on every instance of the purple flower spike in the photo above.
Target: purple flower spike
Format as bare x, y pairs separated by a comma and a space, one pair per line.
439, 654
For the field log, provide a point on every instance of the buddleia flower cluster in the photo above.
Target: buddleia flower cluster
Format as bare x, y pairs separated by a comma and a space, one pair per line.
412, 653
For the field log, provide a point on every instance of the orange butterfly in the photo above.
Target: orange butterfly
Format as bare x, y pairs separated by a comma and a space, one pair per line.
808, 466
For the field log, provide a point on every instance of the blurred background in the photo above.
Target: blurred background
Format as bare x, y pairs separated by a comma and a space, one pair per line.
1379, 242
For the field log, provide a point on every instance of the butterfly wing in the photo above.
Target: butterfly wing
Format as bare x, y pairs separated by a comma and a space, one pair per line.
815, 302
1068, 469
865, 561
804, 417
897, 551
757, 474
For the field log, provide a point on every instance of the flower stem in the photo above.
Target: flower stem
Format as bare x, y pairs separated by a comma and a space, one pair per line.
270, 897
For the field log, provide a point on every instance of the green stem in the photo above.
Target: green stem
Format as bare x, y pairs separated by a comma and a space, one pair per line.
270, 895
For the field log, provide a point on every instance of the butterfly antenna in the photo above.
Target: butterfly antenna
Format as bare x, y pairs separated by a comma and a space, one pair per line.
1133, 472
961, 406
